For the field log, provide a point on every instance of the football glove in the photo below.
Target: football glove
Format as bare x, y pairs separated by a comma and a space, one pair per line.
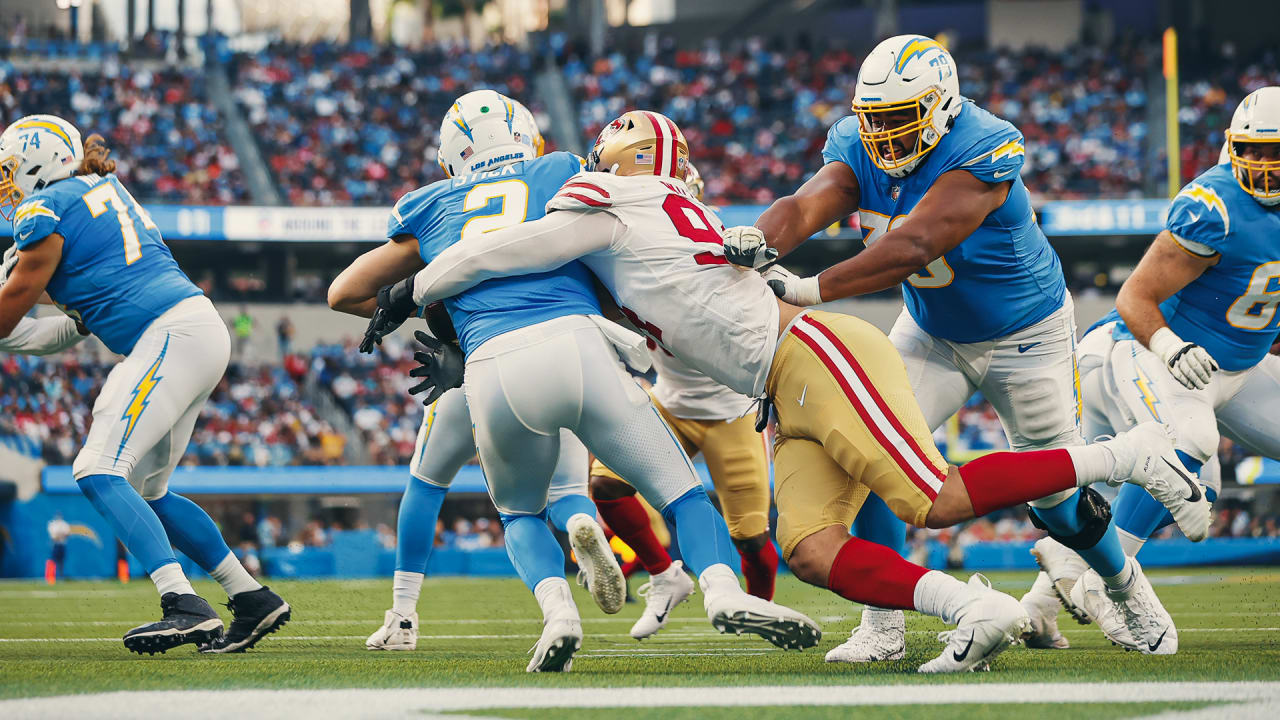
744, 245
441, 368
395, 305
7, 265
1189, 363
792, 288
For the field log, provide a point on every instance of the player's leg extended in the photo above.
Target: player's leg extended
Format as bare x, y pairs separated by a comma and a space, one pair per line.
1251, 414
739, 467
444, 444
571, 511
621, 427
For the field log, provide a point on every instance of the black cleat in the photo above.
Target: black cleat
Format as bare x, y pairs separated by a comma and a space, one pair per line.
257, 614
187, 619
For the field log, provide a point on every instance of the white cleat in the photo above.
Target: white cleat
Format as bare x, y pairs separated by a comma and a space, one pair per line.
1062, 567
882, 635
1042, 606
1090, 594
989, 622
1145, 457
398, 632
598, 568
733, 611
661, 594
1148, 628
561, 638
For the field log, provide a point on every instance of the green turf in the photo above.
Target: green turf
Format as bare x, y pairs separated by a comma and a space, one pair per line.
1016, 711
477, 632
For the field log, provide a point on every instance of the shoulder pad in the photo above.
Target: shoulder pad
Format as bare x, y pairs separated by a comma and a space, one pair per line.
1199, 214
843, 141
34, 220
602, 191
406, 214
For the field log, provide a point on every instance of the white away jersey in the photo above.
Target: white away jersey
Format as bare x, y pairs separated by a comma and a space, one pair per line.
690, 395
666, 270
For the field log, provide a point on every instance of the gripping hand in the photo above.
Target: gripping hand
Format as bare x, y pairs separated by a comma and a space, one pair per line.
744, 246
395, 305
1189, 363
441, 368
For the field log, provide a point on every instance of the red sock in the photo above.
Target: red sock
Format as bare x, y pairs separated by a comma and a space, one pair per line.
873, 574
760, 568
630, 568
1005, 479
50, 572
628, 520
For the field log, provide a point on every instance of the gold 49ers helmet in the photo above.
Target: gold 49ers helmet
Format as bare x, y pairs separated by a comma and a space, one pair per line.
641, 142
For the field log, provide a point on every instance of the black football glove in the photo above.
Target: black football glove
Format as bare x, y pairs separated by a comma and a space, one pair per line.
395, 305
441, 368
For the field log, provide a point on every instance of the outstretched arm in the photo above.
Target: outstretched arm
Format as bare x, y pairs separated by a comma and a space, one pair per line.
355, 290
829, 196
27, 281
42, 336
538, 246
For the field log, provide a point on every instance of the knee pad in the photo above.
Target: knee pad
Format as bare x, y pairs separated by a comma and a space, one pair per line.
1094, 513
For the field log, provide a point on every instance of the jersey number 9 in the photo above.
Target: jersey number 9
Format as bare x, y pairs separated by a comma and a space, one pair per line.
104, 195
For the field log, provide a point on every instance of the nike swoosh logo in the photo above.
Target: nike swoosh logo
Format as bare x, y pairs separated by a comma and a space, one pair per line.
665, 612
25, 235
1152, 646
1193, 485
1028, 346
1195, 217
802, 394
998, 175
959, 657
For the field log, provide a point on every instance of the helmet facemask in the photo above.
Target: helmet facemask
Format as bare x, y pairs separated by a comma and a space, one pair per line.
10, 194
1259, 178
886, 126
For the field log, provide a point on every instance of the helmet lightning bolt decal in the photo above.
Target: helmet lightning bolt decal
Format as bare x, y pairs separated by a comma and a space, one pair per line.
141, 397
916, 46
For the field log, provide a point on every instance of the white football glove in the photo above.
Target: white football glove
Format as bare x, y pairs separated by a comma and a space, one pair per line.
10, 260
1189, 363
792, 288
744, 246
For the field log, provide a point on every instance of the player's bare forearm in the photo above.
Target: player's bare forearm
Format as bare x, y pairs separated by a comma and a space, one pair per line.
1165, 269
28, 280
829, 196
948, 213
355, 290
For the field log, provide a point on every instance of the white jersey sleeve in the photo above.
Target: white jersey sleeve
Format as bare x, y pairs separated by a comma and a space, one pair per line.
668, 275
41, 336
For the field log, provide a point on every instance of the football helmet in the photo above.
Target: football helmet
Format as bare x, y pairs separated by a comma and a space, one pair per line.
641, 142
693, 179
906, 99
485, 129
35, 151
1257, 120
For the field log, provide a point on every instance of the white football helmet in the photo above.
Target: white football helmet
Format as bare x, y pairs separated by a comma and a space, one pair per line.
906, 99
35, 151
1257, 120
484, 130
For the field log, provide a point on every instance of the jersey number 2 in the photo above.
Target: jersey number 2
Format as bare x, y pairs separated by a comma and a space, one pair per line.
513, 210
99, 198
1256, 308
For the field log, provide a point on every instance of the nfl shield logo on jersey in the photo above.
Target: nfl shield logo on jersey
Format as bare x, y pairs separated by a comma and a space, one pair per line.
894, 192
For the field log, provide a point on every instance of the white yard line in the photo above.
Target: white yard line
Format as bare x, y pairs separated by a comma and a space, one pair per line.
388, 703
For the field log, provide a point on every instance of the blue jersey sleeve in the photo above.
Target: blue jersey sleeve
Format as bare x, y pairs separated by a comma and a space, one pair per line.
995, 158
1198, 220
413, 213
844, 143
35, 220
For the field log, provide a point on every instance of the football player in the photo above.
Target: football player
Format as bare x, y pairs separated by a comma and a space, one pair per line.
445, 442
81, 237
848, 423
710, 418
935, 182
540, 358
1189, 340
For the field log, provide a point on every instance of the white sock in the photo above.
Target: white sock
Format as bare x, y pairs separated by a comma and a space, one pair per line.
405, 589
169, 579
554, 597
1093, 463
880, 618
1129, 542
232, 576
1121, 585
718, 578
938, 594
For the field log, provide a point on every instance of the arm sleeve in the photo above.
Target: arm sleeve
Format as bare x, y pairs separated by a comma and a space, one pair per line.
41, 336
1197, 220
531, 247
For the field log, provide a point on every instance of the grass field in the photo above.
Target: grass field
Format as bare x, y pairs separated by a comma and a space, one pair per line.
64, 640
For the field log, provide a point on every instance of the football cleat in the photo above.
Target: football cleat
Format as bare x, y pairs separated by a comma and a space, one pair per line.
1042, 607
1062, 566
1145, 457
1090, 594
661, 594
561, 638
597, 567
255, 614
1147, 626
989, 621
187, 619
882, 635
398, 632
733, 611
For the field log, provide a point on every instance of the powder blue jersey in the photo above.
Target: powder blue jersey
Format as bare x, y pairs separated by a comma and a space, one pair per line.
448, 211
1230, 310
1002, 278
116, 275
